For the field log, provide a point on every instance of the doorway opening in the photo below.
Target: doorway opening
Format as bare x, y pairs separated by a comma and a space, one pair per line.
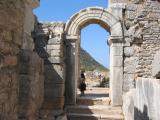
94, 62
85, 17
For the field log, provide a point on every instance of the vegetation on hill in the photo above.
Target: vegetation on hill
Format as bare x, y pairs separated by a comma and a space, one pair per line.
88, 63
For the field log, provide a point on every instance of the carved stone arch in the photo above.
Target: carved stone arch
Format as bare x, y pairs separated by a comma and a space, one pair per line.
97, 15
112, 24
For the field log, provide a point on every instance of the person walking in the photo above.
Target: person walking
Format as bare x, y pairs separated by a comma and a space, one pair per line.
82, 85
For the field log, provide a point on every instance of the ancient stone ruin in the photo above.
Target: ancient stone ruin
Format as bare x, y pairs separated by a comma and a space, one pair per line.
39, 62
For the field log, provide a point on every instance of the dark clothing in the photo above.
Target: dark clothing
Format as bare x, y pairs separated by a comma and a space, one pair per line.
82, 75
82, 86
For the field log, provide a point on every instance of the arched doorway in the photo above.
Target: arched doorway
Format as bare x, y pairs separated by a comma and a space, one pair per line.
100, 16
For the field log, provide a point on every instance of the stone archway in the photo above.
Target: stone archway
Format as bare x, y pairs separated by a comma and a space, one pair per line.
94, 15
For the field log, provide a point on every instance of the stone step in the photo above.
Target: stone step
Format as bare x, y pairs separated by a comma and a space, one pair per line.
75, 116
96, 109
93, 101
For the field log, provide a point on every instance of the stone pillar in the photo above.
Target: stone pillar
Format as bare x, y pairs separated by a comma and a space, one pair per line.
71, 73
116, 71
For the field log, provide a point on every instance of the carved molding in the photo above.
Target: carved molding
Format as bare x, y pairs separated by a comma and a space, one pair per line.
115, 39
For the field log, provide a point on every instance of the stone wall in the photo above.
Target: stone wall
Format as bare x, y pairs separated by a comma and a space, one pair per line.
11, 35
141, 56
141, 31
49, 45
142, 103
15, 76
30, 69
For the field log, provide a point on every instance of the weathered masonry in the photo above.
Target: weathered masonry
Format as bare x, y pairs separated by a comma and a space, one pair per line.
39, 62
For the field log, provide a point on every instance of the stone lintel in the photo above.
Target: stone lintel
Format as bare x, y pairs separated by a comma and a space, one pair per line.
33, 3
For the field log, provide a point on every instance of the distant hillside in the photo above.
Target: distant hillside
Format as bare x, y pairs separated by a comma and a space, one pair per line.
89, 63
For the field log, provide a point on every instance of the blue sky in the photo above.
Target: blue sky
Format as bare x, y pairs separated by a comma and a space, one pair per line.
93, 37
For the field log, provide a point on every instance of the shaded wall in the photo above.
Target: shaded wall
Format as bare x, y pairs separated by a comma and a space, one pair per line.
30, 69
31, 84
49, 45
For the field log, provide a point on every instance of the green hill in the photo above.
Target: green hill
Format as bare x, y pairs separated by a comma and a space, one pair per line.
89, 63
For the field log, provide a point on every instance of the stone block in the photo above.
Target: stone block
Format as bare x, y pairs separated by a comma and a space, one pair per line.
55, 60
55, 104
131, 7
36, 63
54, 47
130, 64
30, 95
130, 40
3, 97
10, 60
54, 41
18, 37
24, 83
128, 82
116, 30
5, 47
24, 56
53, 74
55, 90
118, 5
128, 51
6, 35
5, 78
147, 98
56, 53
24, 59
117, 8
142, 102
128, 104
116, 44
131, 15
59, 70
27, 42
